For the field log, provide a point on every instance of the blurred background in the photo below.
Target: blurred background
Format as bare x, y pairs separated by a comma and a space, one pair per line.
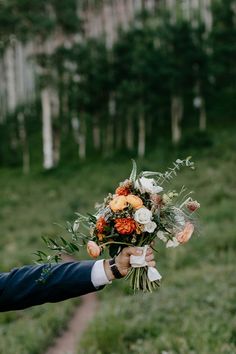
85, 85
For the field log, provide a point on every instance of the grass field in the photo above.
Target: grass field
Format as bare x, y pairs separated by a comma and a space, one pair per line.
193, 312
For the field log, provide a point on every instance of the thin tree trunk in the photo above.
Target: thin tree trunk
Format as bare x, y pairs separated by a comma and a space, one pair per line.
141, 135
130, 133
10, 79
109, 141
56, 145
19, 72
79, 132
176, 118
3, 105
24, 143
96, 133
55, 109
119, 133
202, 116
82, 137
48, 162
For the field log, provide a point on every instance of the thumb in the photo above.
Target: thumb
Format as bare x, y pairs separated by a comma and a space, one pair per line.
135, 251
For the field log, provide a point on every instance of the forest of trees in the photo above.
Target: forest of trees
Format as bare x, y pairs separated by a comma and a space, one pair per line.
90, 78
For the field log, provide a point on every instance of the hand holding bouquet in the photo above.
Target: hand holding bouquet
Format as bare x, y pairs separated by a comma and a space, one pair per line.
138, 213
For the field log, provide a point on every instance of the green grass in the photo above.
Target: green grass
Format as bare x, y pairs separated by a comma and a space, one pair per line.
194, 310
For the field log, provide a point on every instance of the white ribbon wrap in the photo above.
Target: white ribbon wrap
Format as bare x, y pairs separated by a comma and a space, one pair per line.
139, 261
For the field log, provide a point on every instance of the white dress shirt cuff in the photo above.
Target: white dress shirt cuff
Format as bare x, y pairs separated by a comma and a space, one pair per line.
98, 275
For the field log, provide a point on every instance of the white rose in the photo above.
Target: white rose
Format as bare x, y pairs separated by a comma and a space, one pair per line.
161, 236
150, 227
172, 243
147, 185
143, 215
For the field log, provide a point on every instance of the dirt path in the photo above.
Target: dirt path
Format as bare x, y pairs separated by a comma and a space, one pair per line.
68, 341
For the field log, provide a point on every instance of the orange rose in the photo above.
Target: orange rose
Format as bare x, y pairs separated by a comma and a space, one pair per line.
118, 203
122, 191
100, 224
184, 236
135, 201
125, 226
93, 249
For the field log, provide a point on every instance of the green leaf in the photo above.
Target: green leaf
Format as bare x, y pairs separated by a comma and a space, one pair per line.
63, 240
133, 174
74, 247
92, 218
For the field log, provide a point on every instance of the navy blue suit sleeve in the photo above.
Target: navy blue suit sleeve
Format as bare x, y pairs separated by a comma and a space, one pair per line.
20, 287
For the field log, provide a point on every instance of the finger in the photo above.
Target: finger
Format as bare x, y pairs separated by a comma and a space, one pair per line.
128, 251
149, 258
149, 251
151, 264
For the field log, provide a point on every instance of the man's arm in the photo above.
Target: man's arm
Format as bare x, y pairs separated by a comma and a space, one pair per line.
20, 287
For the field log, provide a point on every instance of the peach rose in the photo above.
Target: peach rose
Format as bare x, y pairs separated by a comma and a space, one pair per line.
125, 226
135, 201
118, 203
185, 235
93, 249
122, 191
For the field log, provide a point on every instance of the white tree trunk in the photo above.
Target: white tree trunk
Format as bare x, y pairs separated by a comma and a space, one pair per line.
48, 162
20, 73
176, 118
82, 138
24, 143
109, 131
55, 108
79, 131
3, 105
130, 133
96, 133
202, 116
119, 133
10, 79
109, 138
141, 135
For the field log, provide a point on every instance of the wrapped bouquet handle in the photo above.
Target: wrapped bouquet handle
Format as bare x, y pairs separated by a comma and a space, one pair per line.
139, 262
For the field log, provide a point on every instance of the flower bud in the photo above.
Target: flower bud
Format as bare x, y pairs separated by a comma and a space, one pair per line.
93, 249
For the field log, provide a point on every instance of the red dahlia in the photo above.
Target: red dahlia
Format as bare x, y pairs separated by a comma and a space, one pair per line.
125, 226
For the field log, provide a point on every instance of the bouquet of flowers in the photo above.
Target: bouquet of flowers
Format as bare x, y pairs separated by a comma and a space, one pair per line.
139, 212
